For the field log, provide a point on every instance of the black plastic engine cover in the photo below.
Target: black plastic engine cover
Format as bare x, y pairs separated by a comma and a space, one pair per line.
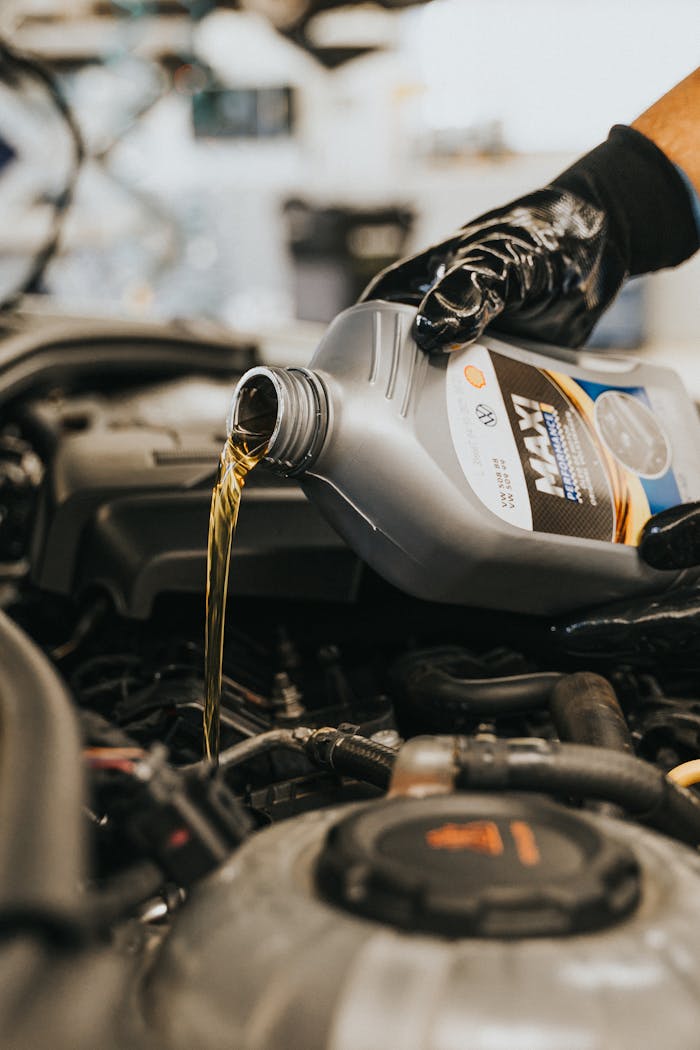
125, 504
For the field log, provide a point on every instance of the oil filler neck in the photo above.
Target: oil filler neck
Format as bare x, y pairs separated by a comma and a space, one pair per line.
284, 408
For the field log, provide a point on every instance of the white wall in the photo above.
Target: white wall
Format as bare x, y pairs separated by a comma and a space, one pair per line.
557, 72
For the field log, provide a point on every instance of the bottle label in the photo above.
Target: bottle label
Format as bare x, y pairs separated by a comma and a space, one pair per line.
549, 453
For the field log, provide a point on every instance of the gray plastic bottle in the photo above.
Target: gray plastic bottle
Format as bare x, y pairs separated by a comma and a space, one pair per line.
500, 475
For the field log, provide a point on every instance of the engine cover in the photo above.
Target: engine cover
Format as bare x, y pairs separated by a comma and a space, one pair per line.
260, 961
125, 504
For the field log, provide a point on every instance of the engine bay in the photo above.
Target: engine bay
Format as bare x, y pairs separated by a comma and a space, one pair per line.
431, 826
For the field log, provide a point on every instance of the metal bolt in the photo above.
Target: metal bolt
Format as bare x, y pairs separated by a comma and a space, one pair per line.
286, 698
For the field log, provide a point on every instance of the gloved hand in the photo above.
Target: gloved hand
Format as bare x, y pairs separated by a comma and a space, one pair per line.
650, 629
547, 265
671, 538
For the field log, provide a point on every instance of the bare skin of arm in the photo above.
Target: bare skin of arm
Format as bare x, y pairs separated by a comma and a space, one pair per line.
673, 123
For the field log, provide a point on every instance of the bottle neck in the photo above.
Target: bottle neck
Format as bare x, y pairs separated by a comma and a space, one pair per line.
284, 408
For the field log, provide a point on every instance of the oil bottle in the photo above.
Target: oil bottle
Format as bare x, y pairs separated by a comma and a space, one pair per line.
503, 475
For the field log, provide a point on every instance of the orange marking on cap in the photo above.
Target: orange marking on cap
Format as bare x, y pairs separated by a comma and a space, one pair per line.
525, 844
479, 836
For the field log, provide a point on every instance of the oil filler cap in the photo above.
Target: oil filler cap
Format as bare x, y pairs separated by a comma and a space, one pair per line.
478, 866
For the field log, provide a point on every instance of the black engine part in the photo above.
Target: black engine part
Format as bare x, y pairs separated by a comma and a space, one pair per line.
478, 866
125, 505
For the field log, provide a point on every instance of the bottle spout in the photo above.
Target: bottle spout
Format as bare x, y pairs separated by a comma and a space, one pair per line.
285, 409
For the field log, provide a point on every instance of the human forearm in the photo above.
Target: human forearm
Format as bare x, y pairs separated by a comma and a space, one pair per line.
673, 123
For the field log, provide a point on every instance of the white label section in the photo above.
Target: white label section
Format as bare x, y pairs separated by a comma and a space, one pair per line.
483, 438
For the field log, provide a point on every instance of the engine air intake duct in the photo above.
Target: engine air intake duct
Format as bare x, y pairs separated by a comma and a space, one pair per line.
42, 848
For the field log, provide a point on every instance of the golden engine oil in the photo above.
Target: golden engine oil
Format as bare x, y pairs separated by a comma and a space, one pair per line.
237, 458
501, 475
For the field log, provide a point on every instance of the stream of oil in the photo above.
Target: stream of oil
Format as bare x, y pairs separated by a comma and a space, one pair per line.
237, 459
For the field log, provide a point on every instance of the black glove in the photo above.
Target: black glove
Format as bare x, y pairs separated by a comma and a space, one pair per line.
671, 539
547, 265
658, 628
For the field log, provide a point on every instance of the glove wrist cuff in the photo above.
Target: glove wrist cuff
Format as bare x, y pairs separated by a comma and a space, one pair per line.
643, 195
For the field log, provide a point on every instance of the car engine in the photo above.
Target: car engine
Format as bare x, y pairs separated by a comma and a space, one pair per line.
430, 826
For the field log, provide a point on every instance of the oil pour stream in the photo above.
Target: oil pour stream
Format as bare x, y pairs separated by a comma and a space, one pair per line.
239, 455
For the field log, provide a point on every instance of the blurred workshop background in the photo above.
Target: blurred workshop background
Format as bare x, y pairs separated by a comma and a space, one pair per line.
255, 162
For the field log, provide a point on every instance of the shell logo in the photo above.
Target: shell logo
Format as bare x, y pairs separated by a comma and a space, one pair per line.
475, 376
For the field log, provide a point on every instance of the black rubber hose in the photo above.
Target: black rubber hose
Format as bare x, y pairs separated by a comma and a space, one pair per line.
430, 682
547, 767
42, 849
581, 771
586, 710
352, 756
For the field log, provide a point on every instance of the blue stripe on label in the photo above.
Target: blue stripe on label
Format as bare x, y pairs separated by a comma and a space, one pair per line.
662, 492
594, 390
